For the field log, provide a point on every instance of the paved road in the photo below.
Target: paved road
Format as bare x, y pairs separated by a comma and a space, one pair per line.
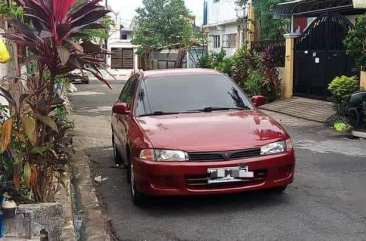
326, 201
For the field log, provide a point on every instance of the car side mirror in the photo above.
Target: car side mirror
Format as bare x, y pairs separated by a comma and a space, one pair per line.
121, 108
258, 100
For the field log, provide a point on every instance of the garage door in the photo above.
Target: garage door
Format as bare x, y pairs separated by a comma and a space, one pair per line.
122, 58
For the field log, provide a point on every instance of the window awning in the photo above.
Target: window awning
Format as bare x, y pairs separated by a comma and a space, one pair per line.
315, 7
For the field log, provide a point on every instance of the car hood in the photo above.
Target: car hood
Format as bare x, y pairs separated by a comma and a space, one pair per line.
214, 131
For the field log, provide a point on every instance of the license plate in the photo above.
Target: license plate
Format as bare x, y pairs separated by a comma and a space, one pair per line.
230, 174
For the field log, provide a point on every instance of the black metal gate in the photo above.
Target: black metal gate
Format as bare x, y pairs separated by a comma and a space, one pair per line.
320, 56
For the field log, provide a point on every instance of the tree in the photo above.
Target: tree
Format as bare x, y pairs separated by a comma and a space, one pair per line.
10, 9
163, 23
98, 35
270, 29
355, 42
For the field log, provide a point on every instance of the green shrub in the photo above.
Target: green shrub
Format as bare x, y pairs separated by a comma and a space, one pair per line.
212, 59
341, 88
216, 60
204, 61
217, 57
253, 85
225, 66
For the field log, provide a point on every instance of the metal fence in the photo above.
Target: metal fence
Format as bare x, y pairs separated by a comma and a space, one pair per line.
165, 59
279, 50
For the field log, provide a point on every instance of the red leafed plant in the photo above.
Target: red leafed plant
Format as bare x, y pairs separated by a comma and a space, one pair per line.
33, 135
53, 35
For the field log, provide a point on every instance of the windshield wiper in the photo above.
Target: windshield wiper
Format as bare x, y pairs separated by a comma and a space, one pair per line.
210, 109
160, 113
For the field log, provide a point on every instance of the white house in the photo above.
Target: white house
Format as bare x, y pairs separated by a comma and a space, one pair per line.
223, 22
123, 58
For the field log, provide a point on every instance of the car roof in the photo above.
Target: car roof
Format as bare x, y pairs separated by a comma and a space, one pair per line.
176, 72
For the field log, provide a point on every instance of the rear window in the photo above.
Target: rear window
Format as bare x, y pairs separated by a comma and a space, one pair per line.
183, 93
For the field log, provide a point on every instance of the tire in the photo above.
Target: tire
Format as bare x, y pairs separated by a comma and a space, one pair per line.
137, 197
279, 190
116, 155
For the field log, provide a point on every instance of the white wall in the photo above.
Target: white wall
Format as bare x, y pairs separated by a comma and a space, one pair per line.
221, 11
221, 30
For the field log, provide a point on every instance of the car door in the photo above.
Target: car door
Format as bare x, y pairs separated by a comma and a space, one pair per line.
120, 123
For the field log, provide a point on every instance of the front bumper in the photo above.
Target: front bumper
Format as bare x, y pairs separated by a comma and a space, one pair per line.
190, 178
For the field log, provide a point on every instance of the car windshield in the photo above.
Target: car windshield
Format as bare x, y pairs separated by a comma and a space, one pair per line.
189, 93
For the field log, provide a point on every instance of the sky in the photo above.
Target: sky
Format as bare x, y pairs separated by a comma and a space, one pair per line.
126, 9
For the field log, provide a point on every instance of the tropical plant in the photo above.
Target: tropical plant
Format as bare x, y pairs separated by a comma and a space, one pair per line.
245, 61
33, 134
204, 61
218, 61
271, 85
226, 66
257, 73
98, 35
212, 58
355, 42
253, 85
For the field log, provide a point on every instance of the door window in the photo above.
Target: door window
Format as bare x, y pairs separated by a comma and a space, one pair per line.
128, 91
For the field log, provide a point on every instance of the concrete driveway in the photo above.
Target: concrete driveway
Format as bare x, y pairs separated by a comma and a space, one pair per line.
326, 201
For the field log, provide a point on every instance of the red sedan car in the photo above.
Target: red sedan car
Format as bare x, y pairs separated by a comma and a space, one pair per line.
194, 132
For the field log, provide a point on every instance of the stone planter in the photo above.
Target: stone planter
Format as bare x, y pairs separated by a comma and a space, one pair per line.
50, 220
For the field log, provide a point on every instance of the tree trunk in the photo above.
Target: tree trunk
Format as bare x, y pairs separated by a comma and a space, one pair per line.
179, 61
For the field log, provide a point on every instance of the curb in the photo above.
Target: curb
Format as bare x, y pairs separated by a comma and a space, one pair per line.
68, 230
359, 134
94, 225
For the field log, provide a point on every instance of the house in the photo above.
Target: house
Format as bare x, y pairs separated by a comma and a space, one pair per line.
315, 53
225, 25
123, 56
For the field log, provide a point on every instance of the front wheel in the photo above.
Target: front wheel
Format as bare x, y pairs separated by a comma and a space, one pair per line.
136, 196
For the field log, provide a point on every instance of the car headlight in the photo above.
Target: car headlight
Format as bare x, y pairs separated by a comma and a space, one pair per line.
163, 155
276, 147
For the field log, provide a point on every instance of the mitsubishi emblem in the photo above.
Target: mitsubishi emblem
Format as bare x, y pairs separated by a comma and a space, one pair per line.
227, 156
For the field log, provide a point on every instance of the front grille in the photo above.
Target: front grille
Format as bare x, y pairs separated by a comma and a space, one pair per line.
201, 181
246, 154
224, 156
206, 156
